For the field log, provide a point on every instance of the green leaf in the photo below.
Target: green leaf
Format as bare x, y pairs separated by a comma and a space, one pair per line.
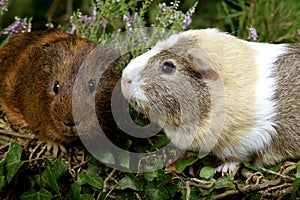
163, 178
126, 182
60, 169
91, 177
124, 159
193, 194
274, 168
13, 160
32, 194
161, 142
296, 182
253, 167
182, 164
75, 191
2, 175
50, 177
224, 182
207, 172
155, 192
298, 170
86, 197
150, 176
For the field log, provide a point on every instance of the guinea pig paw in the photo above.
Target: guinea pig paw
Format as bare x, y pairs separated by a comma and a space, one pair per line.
55, 148
227, 167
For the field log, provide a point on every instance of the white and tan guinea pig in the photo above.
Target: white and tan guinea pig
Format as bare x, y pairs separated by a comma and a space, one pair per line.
213, 92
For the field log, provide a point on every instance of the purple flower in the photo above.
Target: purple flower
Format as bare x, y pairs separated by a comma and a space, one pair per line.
95, 13
125, 18
102, 23
253, 34
72, 31
4, 6
18, 26
86, 19
187, 21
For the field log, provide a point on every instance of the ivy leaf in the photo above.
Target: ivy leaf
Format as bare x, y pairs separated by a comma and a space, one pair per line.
182, 164
131, 182
13, 160
253, 167
150, 176
32, 194
50, 177
207, 172
298, 170
86, 197
91, 177
60, 169
225, 182
154, 192
163, 178
75, 191
2, 175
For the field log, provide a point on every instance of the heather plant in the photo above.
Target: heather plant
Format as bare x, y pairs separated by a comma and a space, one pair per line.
80, 176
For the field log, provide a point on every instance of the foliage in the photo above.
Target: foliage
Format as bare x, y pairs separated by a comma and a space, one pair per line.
187, 178
275, 20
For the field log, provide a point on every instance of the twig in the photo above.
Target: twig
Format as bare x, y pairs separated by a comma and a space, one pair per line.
225, 194
278, 174
107, 179
9, 132
202, 183
188, 190
275, 188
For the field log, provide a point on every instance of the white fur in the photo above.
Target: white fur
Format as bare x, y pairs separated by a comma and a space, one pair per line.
132, 72
168, 43
261, 134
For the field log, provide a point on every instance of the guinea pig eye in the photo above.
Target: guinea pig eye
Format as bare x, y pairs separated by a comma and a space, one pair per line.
56, 87
167, 68
92, 85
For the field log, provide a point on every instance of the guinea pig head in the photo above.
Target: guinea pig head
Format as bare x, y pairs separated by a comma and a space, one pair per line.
171, 81
62, 62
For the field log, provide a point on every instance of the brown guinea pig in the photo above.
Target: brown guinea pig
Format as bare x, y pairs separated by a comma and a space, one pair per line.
213, 92
37, 73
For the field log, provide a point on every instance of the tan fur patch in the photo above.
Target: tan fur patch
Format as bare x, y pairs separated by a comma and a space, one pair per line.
235, 62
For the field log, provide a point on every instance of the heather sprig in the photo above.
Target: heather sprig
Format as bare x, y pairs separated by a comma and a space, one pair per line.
109, 17
170, 17
3, 6
252, 34
19, 25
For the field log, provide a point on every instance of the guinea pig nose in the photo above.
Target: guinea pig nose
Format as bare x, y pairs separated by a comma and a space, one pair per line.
76, 123
127, 81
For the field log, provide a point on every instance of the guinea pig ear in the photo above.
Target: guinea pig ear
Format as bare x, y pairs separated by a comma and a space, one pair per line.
205, 69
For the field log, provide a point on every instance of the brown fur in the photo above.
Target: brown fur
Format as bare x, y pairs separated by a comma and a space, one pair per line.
30, 64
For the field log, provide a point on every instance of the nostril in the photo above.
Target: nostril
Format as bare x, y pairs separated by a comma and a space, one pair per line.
128, 81
76, 123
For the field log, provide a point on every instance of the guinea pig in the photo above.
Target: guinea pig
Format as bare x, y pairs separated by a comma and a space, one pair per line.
37, 73
212, 92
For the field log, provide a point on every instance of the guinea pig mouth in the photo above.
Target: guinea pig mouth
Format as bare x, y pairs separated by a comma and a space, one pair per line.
70, 129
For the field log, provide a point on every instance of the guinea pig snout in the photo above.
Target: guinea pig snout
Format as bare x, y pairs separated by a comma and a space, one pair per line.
126, 85
71, 123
